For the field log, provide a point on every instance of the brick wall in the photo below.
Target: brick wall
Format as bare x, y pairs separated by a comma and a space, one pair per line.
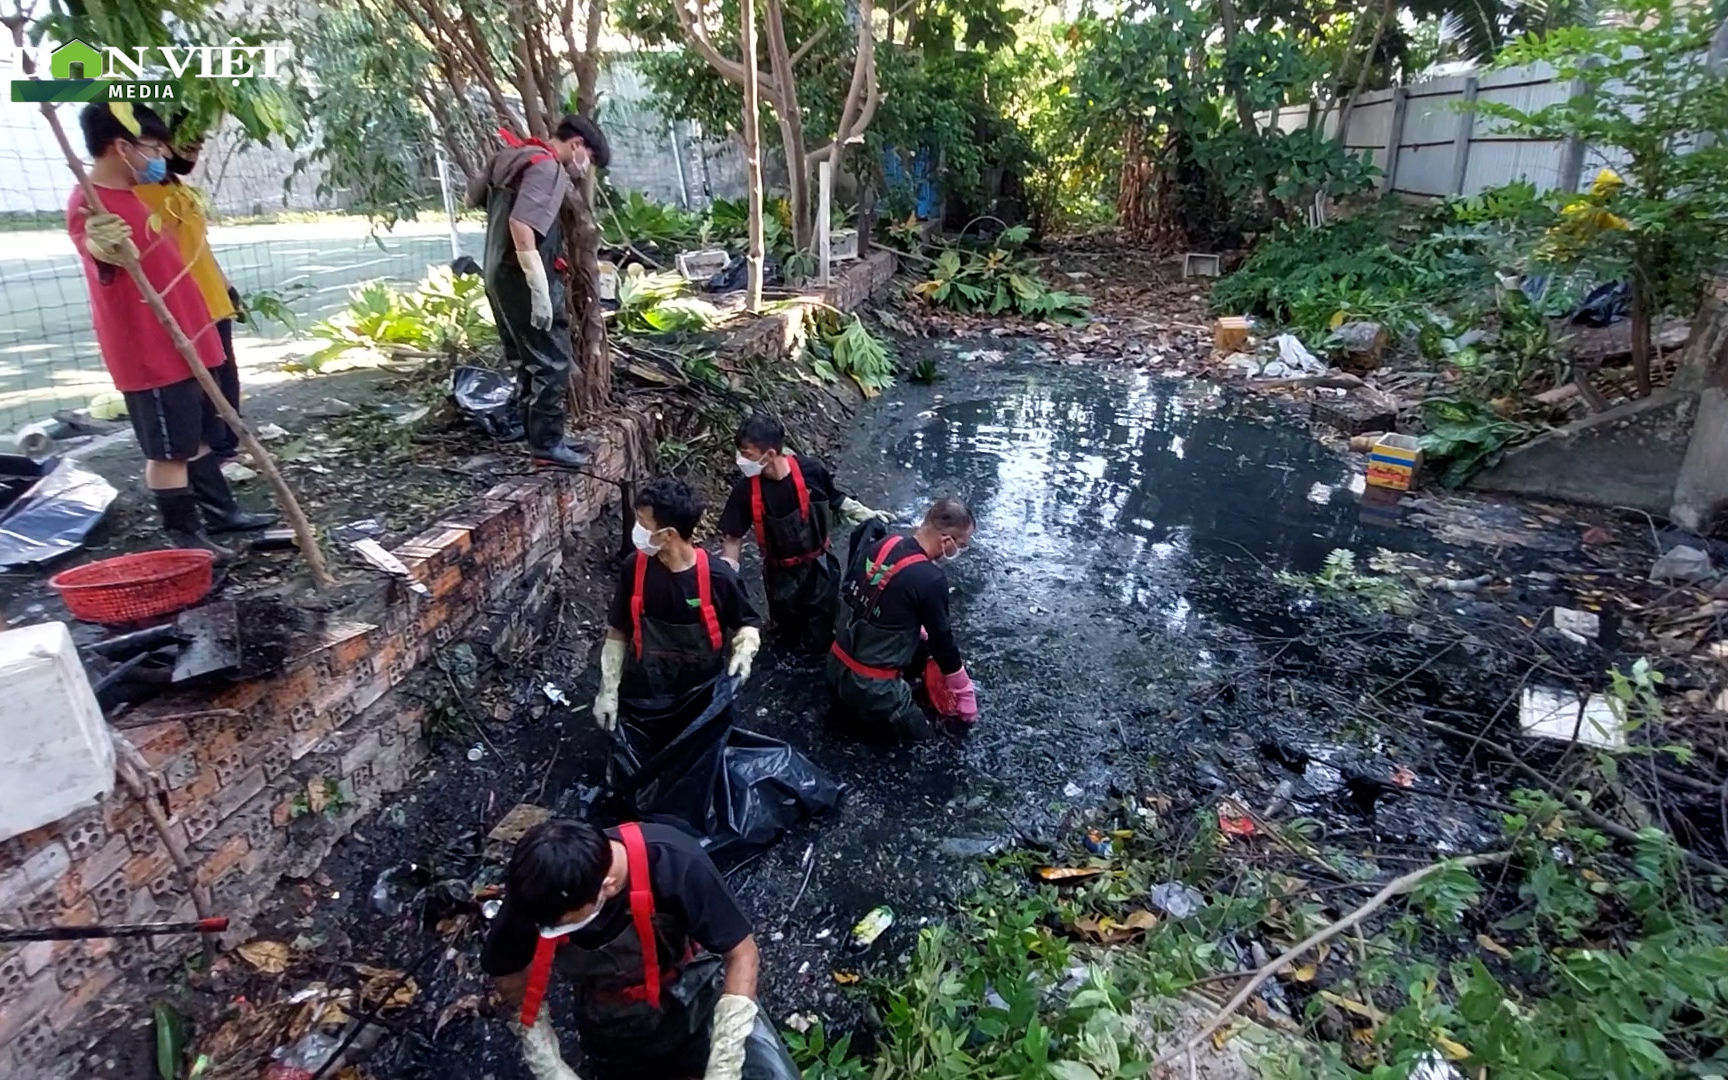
239, 764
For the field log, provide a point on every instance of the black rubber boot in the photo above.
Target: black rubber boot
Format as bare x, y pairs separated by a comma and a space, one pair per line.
179, 509
562, 455
216, 499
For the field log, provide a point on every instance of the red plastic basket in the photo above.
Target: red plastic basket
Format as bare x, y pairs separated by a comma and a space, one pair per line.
132, 588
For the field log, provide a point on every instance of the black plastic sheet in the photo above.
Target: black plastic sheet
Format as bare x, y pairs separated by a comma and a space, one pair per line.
488, 398
1605, 305
54, 513
682, 759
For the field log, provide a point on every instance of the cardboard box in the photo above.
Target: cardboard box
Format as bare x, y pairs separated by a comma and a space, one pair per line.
1230, 333
1393, 462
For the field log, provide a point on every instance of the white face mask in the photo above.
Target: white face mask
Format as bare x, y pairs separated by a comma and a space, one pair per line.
644, 540
571, 927
748, 467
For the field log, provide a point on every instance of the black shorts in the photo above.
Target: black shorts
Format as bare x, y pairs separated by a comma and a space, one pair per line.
172, 422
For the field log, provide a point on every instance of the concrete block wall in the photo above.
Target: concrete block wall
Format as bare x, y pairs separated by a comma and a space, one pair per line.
238, 764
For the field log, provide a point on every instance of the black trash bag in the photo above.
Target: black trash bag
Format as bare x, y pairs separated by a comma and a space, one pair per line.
765, 1055
46, 517
1605, 305
733, 789
737, 274
488, 398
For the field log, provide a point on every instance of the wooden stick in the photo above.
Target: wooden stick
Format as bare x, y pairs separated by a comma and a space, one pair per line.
1374, 903
144, 783
304, 536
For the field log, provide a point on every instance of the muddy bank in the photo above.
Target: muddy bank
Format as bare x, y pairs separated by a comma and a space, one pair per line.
1123, 615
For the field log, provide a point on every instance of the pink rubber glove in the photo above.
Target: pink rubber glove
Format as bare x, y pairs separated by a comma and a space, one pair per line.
965, 696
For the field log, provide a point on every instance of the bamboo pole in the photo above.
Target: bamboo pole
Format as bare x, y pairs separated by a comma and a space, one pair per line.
304, 536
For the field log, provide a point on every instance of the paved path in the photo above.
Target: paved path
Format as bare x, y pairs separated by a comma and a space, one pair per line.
48, 356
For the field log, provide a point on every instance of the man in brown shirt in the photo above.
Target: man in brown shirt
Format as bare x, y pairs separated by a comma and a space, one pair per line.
523, 189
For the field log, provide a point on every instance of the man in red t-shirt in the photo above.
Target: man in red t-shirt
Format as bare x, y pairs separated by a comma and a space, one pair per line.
174, 421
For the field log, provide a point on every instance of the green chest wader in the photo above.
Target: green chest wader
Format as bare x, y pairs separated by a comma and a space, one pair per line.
867, 663
800, 574
541, 357
667, 661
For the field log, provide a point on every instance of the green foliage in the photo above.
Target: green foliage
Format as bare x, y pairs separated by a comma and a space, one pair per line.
1339, 579
659, 304
445, 314
276, 305
1464, 436
637, 219
998, 281
820, 1058
374, 140
845, 346
170, 1040
1651, 97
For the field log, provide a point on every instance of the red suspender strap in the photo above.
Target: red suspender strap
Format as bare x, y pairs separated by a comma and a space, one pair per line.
799, 486
539, 977
512, 139
636, 600
871, 568
756, 514
865, 670
642, 909
705, 598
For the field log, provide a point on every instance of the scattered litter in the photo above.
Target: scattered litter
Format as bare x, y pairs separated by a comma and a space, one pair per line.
397, 887
476, 753
332, 409
869, 928
1201, 264
270, 957
1177, 900
373, 552
268, 432
237, 473
1234, 819
1230, 333
1293, 359
1681, 564
555, 695
1547, 713
413, 416
1069, 875
47, 508
1071, 790
490, 909
1393, 461
1403, 776
1580, 625
1098, 844
1460, 585
971, 847
488, 399
355, 531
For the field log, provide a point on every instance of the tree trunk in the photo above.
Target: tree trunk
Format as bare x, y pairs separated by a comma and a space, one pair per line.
752, 153
1362, 76
1640, 314
588, 65
791, 117
591, 374
1244, 111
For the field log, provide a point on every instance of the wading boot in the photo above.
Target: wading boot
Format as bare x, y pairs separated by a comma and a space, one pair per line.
216, 499
562, 454
179, 509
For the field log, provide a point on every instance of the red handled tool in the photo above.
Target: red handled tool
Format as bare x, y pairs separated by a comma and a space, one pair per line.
113, 930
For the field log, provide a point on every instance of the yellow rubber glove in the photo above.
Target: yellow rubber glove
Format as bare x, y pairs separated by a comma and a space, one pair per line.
108, 239
734, 1016
611, 674
540, 1051
745, 644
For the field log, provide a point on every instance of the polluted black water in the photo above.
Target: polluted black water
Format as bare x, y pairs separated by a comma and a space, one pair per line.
1121, 613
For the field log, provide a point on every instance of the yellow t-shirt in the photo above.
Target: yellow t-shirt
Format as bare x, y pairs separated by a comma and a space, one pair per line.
183, 215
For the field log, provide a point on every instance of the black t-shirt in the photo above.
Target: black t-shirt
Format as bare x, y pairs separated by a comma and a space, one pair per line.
685, 883
916, 597
676, 598
779, 497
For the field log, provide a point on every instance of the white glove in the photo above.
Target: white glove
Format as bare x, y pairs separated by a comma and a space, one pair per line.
540, 310
853, 512
540, 1051
734, 1016
745, 643
611, 674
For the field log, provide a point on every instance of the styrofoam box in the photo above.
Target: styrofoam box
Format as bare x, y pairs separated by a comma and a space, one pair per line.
699, 266
55, 751
843, 244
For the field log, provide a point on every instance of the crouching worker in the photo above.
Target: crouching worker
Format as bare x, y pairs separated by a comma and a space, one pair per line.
893, 625
787, 501
673, 617
659, 957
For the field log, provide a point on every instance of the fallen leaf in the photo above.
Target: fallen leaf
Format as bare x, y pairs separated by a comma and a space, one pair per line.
1355, 1008
1303, 973
317, 794
1596, 535
1069, 874
1493, 946
1453, 1050
1403, 777
1224, 1034
270, 957
462, 1006
845, 978
1140, 920
378, 983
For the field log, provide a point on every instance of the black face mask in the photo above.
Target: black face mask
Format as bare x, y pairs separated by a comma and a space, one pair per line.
180, 166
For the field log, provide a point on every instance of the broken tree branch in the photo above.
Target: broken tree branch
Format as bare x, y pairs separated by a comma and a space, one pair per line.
304, 536
1396, 887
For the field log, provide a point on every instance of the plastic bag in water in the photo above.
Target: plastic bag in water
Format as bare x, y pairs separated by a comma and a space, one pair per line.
682, 759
